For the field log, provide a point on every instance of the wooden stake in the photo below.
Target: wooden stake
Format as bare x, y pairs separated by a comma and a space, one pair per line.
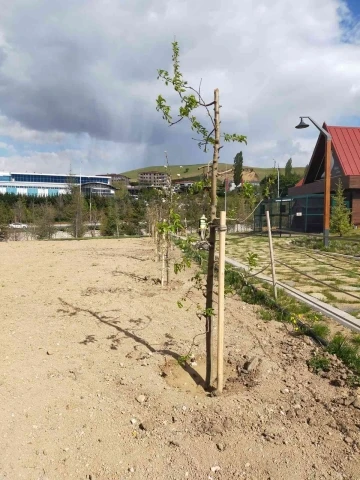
221, 290
212, 240
163, 260
271, 253
167, 260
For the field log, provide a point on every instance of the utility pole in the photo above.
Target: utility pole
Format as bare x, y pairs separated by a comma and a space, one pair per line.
327, 175
169, 182
90, 216
79, 213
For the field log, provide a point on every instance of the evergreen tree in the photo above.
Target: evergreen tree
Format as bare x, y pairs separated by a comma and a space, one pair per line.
20, 212
110, 221
238, 168
340, 213
75, 210
5, 217
45, 221
288, 168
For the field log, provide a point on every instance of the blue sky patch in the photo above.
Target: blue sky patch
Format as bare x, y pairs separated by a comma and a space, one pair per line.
354, 6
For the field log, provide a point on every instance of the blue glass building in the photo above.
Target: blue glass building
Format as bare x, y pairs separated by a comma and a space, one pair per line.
45, 184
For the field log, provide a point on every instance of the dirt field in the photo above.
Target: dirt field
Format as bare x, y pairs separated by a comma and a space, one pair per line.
90, 387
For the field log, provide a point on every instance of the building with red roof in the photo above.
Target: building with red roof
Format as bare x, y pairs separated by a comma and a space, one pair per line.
345, 166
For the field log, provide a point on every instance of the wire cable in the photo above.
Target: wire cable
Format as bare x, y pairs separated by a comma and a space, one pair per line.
332, 265
331, 255
331, 287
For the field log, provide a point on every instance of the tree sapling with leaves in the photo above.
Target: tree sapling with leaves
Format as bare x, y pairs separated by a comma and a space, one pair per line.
191, 99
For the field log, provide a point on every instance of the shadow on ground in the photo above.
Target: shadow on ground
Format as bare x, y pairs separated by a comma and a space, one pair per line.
113, 322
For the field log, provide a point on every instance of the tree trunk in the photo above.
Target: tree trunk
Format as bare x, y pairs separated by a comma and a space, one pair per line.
212, 241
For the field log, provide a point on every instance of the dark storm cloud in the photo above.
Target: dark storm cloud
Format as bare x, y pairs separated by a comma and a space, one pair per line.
84, 66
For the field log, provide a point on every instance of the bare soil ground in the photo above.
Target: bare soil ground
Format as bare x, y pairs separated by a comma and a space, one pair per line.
90, 385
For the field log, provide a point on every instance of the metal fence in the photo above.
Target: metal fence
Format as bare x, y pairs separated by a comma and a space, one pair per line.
303, 214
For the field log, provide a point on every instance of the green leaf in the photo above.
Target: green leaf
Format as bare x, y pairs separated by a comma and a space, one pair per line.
234, 137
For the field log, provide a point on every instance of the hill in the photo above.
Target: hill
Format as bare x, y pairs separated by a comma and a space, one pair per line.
192, 172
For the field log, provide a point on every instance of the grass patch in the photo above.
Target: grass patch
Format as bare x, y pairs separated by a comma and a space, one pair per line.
193, 172
355, 339
343, 348
352, 274
347, 245
319, 363
265, 315
329, 296
321, 330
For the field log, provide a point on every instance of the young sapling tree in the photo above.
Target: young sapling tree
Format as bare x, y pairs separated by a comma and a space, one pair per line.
191, 100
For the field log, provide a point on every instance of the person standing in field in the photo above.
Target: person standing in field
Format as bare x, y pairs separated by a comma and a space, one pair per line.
202, 227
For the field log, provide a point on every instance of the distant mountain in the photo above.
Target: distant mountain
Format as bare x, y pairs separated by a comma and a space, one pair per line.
194, 172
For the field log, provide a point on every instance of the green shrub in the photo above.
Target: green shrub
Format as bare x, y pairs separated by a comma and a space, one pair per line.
320, 330
319, 363
342, 348
265, 315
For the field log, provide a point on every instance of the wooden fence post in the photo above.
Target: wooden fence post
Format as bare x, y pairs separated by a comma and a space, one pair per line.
221, 289
271, 253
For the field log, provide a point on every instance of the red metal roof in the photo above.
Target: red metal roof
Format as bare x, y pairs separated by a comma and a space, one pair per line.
300, 182
346, 143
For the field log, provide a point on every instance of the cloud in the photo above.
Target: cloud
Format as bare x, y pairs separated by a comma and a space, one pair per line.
7, 147
91, 156
43, 162
87, 70
16, 131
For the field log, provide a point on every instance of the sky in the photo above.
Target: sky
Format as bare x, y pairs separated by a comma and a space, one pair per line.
78, 79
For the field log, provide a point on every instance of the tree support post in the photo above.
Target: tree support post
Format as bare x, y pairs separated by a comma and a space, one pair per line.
212, 241
221, 296
271, 253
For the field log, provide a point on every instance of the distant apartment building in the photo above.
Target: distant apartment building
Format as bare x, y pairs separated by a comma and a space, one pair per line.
182, 185
154, 179
117, 177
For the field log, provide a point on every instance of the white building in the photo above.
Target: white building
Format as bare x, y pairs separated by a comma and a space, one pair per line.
46, 184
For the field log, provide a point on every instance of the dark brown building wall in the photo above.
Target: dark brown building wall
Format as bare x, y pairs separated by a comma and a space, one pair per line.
356, 207
318, 186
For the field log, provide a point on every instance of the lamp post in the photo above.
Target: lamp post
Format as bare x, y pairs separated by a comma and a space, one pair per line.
278, 180
327, 174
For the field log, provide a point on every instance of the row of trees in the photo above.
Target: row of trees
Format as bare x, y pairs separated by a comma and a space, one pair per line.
124, 215
277, 184
113, 216
271, 183
116, 216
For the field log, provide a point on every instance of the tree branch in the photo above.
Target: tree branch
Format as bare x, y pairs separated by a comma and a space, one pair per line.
177, 121
225, 172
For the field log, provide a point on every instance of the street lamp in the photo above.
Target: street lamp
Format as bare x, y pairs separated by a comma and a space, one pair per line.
327, 174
